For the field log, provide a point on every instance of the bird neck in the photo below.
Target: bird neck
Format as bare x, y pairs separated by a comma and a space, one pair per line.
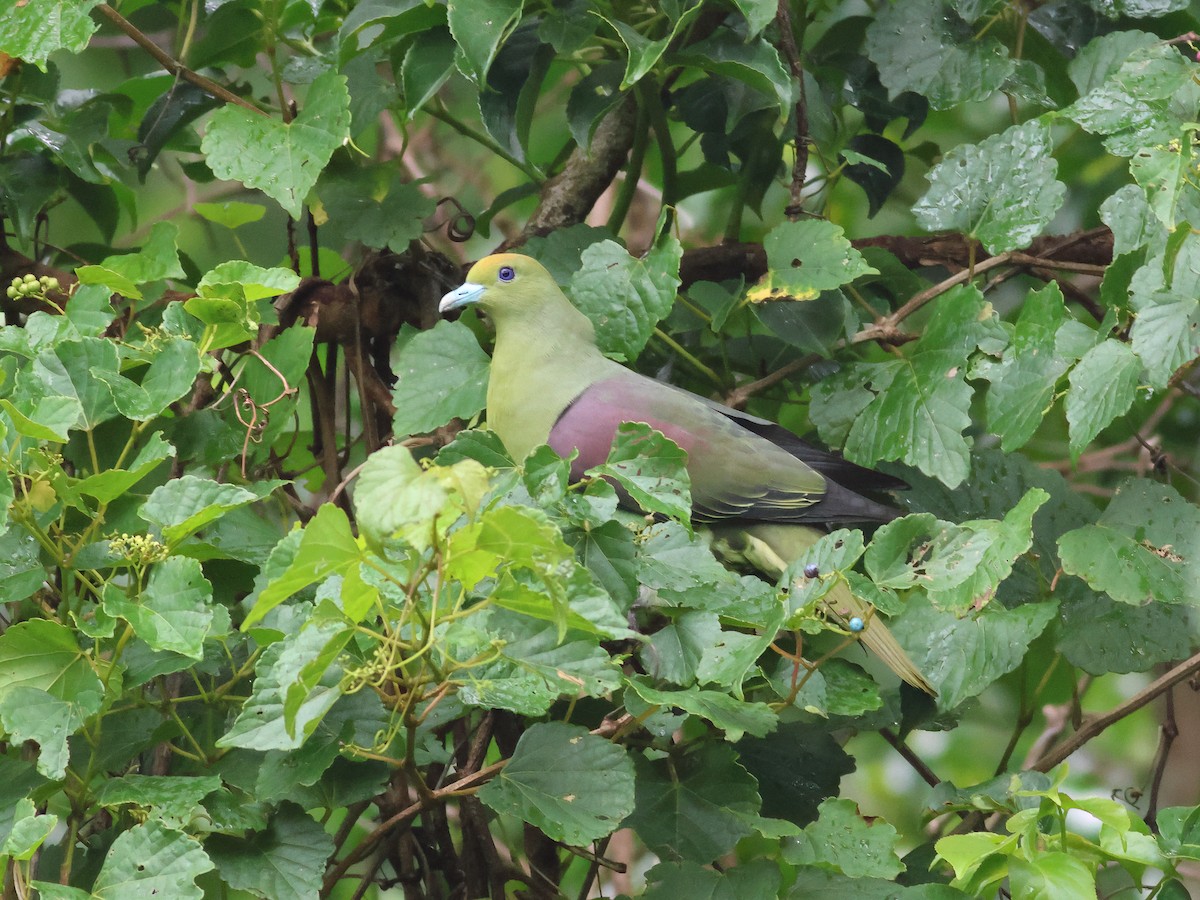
541, 363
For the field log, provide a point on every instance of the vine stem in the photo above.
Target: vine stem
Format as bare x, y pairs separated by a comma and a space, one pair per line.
468, 784
1094, 725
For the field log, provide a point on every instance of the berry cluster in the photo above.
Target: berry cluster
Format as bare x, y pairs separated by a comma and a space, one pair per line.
30, 286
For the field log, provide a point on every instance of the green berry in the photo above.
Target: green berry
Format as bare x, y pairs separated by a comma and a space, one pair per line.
30, 278
12, 293
51, 283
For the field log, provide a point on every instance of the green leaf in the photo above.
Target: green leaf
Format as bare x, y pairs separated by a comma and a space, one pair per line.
1179, 831
397, 499
650, 467
480, 27
735, 717
427, 65
1163, 173
68, 369
572, 785
796, 766
641, 52
28, 181
231, 214
184, 505
21, 569
673, 653
999, 543
625, 297
108, 485
1023, 384
671, 880
842, 841
756, 63
286, 860
961, 657
806, 258
1050, 874
694, 806
283, 160
1146, 546
32, 714
442, 373
514, 83
1127, 214
535, 667
262, 723
32, 31
1131, 85
42, 654
921, 402
239, 280
1166, 334
171, 796
1102, 387
977, 859
46, 419
29, 830
925, 47
174, 612
1101, 635
505, 536
759, 14
173, 368
374, 206
149, 862
327, 548
1002, 191
156, 260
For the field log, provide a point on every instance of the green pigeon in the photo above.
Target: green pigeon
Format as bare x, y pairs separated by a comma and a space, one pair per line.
757, 485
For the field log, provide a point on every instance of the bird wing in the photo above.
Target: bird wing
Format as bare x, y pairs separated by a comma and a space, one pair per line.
737, 473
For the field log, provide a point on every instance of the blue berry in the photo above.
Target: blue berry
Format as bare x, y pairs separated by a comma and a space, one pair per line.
856, 624
812, 570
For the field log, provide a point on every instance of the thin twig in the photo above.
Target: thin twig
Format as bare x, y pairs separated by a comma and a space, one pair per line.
1167, 734
886, 327
739, 395
787, 42
910, 757
173, 65
1094, 725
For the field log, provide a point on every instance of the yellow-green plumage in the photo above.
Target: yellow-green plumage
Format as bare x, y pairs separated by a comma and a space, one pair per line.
551, 384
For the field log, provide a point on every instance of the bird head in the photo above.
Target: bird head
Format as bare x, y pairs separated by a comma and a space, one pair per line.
502, 284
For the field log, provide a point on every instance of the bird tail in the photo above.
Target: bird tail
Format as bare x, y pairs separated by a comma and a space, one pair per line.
770, 549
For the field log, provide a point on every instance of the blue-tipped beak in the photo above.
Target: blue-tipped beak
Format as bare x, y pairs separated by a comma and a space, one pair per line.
461, 296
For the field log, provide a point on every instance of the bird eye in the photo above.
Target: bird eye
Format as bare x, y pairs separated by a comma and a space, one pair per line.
506, 273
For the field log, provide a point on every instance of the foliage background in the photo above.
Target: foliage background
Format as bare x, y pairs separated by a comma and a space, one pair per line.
239, 658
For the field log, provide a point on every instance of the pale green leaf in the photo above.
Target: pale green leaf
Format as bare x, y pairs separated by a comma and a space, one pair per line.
174, 612
1102, 387
479, 27
441, 374
283, 160
623, 296
1022, 386
33, 30
806, 258
1145, 547
1002, 190
151, 862
922, 46
843, 841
